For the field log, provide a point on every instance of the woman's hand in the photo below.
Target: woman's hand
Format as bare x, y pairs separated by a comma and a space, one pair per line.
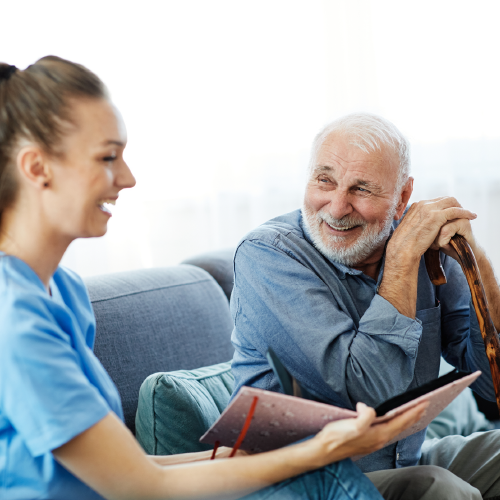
357, 436
108, 459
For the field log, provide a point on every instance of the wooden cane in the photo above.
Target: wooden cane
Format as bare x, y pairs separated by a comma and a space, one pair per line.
471, 271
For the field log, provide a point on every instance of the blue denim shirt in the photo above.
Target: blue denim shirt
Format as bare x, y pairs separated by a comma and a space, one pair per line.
342, 341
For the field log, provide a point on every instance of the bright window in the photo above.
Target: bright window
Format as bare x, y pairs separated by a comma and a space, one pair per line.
223, 98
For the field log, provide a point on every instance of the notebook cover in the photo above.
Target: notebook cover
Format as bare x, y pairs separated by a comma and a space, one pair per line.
280, 420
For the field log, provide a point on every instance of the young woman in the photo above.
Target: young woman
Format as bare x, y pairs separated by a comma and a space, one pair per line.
61, 429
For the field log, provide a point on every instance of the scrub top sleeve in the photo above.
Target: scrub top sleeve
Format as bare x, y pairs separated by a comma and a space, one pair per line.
44, 391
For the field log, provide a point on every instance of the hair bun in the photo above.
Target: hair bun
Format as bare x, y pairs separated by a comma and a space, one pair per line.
6, 71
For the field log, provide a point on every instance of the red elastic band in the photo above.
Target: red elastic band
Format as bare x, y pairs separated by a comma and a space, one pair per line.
246, 425
216, 446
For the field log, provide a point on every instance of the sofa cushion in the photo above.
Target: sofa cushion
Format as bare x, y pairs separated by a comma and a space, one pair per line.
176, 408
158, 320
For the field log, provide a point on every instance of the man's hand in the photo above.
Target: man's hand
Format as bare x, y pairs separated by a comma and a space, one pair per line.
427, 224
430, 224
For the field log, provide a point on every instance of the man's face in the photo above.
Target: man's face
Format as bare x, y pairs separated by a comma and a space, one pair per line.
350, 203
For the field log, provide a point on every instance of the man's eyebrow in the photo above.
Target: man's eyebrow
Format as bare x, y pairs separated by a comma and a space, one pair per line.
323, 168
113, 142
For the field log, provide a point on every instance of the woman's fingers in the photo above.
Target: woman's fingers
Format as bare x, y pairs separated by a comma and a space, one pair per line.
365, 417
379, 435
352, 428
358, 436
349, 429
407, 419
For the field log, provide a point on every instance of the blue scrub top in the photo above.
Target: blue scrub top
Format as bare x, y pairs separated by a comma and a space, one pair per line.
52, 387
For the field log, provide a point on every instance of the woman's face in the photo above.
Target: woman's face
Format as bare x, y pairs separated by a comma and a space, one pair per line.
91, 172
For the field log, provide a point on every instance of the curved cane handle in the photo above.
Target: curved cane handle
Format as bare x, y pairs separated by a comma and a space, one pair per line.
434, 268
471, 271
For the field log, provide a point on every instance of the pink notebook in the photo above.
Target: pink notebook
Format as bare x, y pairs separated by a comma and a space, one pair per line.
280, 420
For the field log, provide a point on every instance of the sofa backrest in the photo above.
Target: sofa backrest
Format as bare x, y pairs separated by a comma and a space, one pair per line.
219, 264
157, 320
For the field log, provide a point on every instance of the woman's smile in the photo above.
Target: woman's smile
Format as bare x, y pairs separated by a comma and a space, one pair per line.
104, 205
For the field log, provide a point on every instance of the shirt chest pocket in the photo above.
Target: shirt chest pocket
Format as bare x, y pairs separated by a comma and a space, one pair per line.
430, 316
429, 350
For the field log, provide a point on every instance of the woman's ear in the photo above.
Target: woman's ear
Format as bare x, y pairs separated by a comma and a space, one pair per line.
33, 166
404, 198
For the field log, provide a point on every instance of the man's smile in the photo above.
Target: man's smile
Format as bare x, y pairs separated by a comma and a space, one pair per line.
344, 230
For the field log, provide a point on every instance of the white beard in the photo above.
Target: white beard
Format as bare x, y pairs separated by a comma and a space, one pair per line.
332, 246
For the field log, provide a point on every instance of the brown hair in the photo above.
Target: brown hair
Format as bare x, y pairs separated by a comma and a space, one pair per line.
34, 105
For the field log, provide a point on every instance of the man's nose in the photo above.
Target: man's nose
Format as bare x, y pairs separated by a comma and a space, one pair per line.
339, 205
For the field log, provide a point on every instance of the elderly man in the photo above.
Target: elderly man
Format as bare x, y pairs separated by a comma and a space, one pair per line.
340, 291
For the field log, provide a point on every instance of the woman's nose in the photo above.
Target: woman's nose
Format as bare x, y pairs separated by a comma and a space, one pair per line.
124, 177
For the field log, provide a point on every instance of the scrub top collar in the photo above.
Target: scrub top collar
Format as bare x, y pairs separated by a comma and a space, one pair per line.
30, 274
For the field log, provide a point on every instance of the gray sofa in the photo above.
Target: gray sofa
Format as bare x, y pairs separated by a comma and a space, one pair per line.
177, 318
157, 320
219, 264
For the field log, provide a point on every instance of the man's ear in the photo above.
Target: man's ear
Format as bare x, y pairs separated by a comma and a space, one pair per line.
404, 197
33, 166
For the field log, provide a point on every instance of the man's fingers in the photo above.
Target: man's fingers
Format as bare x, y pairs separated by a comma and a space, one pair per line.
450, 229
459, 213
441, 203
427, 224
436, 214
445, 202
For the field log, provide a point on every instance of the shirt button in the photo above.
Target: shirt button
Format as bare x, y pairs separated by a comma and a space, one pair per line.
397, 456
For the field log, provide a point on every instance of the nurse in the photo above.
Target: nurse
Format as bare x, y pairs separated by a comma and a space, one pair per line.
62, 434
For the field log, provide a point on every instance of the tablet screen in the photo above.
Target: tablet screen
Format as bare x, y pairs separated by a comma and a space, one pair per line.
412, 394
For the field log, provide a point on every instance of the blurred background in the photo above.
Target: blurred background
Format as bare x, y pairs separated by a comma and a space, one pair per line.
223, 98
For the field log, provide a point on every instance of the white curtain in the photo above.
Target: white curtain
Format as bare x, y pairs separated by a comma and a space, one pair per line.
223, 98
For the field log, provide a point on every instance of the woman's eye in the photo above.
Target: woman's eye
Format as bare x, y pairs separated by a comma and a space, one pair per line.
108, 159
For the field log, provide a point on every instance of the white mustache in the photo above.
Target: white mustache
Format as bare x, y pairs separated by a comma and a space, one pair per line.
346, 221
334, 246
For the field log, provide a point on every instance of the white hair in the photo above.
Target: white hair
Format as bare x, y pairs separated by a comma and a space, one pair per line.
368, 132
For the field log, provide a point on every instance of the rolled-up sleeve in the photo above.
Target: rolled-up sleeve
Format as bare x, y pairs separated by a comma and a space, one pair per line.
280, 302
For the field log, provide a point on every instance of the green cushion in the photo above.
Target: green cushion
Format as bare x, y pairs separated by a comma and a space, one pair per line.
176, 408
